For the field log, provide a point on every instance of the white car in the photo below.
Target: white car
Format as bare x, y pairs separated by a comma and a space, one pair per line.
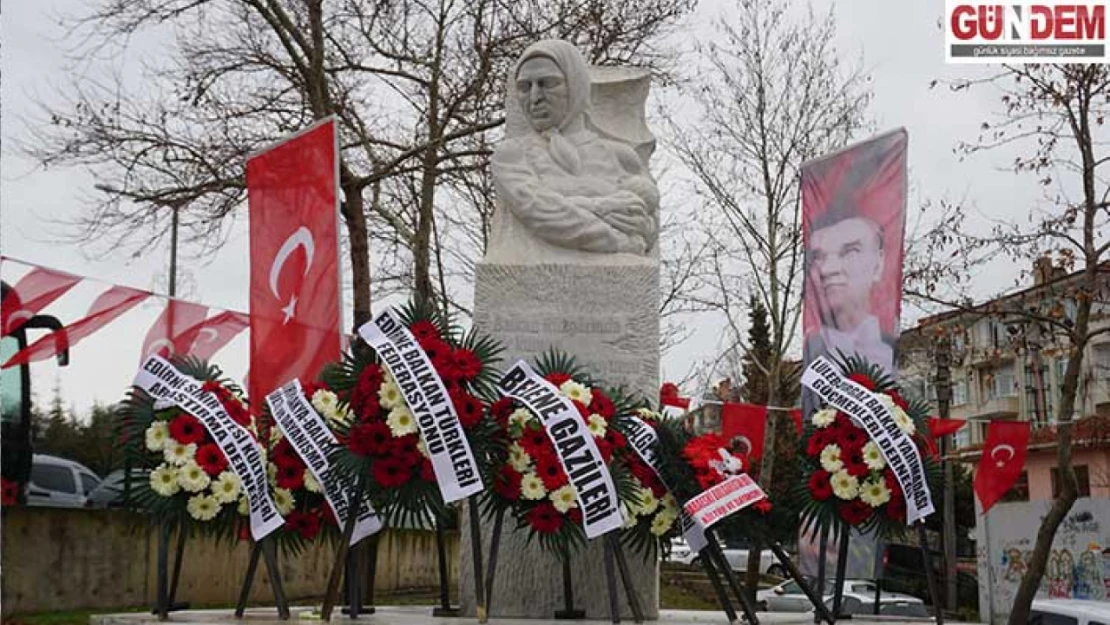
737, 558
1069, 612
59, 483
858, 597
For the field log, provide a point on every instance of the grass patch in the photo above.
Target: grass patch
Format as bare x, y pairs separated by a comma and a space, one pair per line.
674, 597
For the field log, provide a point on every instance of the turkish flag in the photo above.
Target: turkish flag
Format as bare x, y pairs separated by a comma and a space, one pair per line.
746, 421
293, 191
204, 339
34, 292
943, 427
110, 305
1002, 461
672, 404
796, 417
165, 337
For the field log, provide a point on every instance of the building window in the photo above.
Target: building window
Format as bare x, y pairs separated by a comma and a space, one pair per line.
959, 393
1004, 383
1020, 490
1082, 479
963, 437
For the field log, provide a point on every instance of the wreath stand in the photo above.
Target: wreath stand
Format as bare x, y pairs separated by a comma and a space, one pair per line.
842, 565
167, 588
267, 549
343, 563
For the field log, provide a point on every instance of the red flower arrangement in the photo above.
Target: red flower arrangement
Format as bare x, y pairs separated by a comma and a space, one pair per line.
9, 492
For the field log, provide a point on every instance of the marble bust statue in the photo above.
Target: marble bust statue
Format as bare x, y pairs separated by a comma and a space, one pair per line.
563, 187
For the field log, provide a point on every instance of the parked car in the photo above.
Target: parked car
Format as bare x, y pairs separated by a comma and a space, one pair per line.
109, 494
1069, 612
59, 483
858, 597
736, 553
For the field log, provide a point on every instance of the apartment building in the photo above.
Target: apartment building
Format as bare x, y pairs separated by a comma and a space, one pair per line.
1007, 367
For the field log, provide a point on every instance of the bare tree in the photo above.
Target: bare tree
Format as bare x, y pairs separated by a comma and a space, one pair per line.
770, 95
1057, 113
415, 85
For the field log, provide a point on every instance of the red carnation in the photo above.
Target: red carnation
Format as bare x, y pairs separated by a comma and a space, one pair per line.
427, 472
436, 348
545, 519
534, 441
424, 329
390, 472
186, 430
469, 407
211, 458
816, 444
305, 524
819, 485
556, 378
852, 438
467, 363
507, 483
290, 476
9, 492
763, 506
501, 409
863, 380
601, 404
366, 439
854, 512
550, 471
403, 449
615, 438
854, 463
284, 453
605, 448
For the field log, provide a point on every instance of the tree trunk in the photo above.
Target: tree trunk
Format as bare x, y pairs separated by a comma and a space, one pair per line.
359, 239
766, 472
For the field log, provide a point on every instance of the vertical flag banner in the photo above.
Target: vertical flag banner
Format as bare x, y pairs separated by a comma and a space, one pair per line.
853, 223
165, 337
1002, 460
34, 291
747, 422
293, 195
110, 305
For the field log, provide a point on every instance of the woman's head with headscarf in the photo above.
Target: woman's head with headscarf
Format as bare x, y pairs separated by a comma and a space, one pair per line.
552, 84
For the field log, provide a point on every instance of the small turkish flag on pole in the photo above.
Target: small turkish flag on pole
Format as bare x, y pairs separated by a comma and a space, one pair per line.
293, 197
746, 422
939, 428
1002, 461
672, 404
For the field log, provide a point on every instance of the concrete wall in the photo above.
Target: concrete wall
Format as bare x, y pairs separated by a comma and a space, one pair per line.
1078, 565
57, 559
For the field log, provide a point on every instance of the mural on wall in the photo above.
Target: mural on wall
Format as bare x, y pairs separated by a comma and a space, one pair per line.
1078, 566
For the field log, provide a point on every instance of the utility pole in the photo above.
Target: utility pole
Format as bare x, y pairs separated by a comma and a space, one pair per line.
176, 208
944, 403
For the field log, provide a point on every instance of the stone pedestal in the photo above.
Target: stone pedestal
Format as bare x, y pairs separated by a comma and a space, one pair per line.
605, 313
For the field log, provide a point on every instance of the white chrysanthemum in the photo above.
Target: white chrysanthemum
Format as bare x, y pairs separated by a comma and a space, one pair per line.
577, 392
648, 502
903, 420
325, 402
824, 418
389, 395
564, 498
519, 459
283, 499
157, 435
596, 425
203, 507
310, 483
628, 518
226, 488
192, 478
874, 493
163, 480
531, 487
401, 421
244, 505
873, 456
662, 523
830, 458
179, 455
844, 485
520, 417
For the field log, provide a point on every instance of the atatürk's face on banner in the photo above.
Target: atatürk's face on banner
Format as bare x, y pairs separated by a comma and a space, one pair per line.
845, 261
542, 92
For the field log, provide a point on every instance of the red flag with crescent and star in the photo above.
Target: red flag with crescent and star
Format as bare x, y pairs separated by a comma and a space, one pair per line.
1002, 461
293, 193
209, 336
166, 335
746, 422
33, 292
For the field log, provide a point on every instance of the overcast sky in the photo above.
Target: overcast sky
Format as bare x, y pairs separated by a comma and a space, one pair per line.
899, 43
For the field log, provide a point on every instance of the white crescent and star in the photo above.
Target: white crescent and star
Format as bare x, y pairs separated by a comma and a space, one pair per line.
999, 448
22, 313
301, 237
207, 335
159, 344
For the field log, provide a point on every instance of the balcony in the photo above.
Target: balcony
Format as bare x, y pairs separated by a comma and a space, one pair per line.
996, 408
